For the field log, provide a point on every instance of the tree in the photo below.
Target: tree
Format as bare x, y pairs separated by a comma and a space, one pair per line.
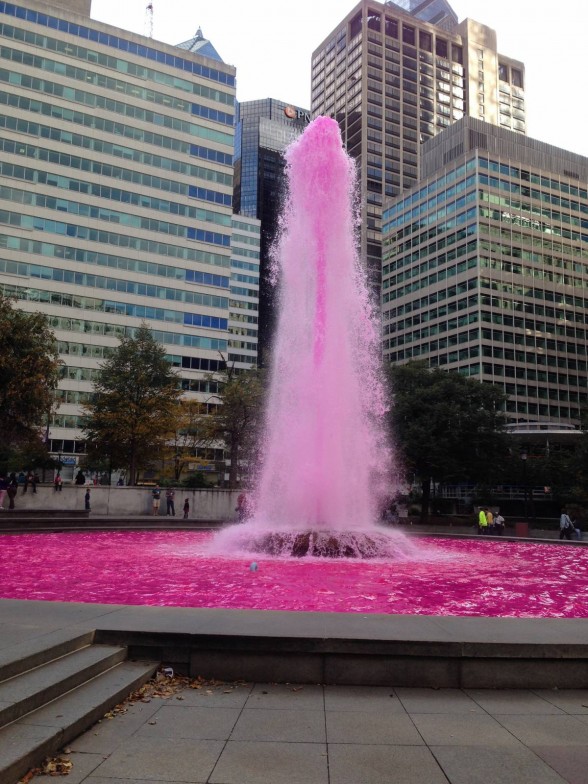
29, 372
134, 407
447, 427
236, 420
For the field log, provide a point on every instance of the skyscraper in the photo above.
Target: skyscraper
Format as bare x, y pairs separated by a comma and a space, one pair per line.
395, 74
264, 129
486, 268
115, 193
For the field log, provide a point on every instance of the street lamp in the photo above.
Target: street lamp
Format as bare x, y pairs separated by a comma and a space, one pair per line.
524, 457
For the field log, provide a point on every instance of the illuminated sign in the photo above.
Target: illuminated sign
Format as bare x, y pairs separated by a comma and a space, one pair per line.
296, 114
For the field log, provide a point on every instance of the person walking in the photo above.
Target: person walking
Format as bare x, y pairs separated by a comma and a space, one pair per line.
87, 499
155, 499
566, 526
169, 500
12, 489
58, 483
186, 509
499, 524
482, 521
3, 489
490, 521
80, 478
29, 480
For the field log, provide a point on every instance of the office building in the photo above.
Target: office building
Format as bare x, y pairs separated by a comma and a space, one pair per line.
486, 268
115, 194
244, 300
393, 75
264, 129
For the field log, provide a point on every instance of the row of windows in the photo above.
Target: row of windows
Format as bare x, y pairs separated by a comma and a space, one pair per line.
245, 265
244, 359
567, 316
248, 254
429, 280
72, 397
69, 421
67, 446
534, 241
114, 262
120, 331
505, 319
118, 43
253, 228
533, 357
533, 219
440, 311
536, 179
110, 238
117, 194
255, 240
74, 95
18, 196
123, 66
238, 278
108, 148
67, 348
508, 371
116, 85
427, 190
515, 268
110, 306
538, 195
122, 286
118, 129
239, 291
435, 249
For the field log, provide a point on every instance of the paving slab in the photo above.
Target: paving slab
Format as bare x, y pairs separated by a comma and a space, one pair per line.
110, 733
294, 726
484, 765
176, 759
436, 701
250, 762
382, 699
371, 728
473, 729
356, 764
571, 764
83, 766
286, 695
536, 730
197, 723
512, 701
226, 695
573, 701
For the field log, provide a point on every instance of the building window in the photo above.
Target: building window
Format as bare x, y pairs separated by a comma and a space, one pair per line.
408, 35
517, 77
373, 20
441, 48
391, 27
503, 72
457, 54
426, 41
355, 26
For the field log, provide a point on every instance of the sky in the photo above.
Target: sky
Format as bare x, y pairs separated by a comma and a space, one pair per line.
271, 46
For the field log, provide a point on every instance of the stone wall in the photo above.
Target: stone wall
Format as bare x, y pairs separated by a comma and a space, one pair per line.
130, 501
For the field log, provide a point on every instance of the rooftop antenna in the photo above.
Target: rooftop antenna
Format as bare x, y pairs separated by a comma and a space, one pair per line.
149, 19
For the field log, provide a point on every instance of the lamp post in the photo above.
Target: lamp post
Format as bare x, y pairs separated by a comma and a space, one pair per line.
524, 457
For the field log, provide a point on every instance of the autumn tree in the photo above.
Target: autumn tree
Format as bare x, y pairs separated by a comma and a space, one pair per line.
236, 419
135, 405
29, 372
446, 426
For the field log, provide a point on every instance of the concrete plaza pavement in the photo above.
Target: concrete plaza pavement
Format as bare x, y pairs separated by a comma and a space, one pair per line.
264, 733
312, 734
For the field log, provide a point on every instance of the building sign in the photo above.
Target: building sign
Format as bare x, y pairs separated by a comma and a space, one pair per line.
296, 114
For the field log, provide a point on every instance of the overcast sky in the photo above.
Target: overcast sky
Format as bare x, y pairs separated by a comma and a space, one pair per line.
271, 43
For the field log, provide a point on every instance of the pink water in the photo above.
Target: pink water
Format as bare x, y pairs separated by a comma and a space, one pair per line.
165, 568
326, 461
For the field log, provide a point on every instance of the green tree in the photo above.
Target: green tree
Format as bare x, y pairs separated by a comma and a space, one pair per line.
29, 372
236, 420
135, 405
447, 427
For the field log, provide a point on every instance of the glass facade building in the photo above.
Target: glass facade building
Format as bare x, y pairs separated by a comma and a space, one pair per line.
395, 74
116, 185
264, 129
486, 268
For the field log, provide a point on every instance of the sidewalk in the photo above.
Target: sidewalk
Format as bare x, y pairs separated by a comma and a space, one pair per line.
287, 734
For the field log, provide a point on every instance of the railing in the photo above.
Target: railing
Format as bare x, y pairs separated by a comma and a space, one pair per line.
507, 492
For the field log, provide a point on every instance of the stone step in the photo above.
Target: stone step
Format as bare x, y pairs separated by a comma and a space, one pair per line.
29, 654
34, 512
26, 742
30, 690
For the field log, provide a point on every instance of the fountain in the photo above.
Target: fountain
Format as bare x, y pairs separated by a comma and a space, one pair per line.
327, 464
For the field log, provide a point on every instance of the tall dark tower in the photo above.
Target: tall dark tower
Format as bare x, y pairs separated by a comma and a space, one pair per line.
264, 129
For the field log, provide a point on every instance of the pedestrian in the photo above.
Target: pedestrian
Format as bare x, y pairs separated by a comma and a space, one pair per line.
87, 499
120, 482
29, 480
186, 509
169, 500
155, 499
499, 524
58, 483
80, 478
12, 489
36, 481
566, 526
482, 521
3, 489
490, 521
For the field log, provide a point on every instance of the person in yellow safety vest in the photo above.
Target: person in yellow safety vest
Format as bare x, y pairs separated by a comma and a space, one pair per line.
482, 521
